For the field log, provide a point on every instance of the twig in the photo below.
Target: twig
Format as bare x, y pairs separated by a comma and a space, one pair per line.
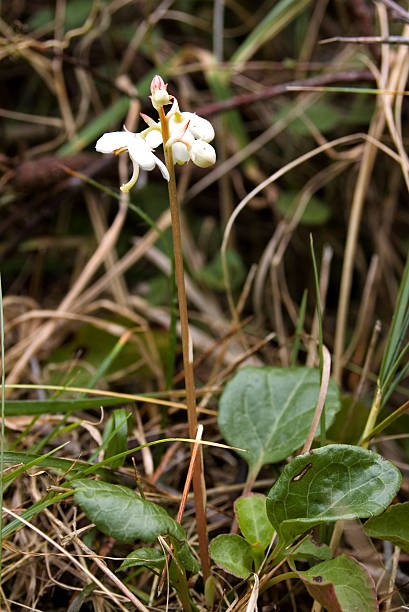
184, 494
396, 9
281, 88
326, 370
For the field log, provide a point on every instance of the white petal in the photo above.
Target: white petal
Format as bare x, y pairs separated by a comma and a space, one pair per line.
188, 138
162, 168
202, 154
177, 125
111, 141
141, 153
153, 138
127, 186
180, 153
200, 128
174, 108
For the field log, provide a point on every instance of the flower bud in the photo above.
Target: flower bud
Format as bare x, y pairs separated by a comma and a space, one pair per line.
180, 153
200, 128
159, 96
202, 154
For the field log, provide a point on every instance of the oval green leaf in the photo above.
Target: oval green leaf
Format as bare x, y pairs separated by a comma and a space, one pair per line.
185, 556
392, 525
122, 514
327, 484
341, 585
268, 411
148, 557
233, 554
253, 521
309, 549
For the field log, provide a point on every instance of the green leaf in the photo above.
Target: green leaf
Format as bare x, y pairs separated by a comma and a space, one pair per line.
75, 15
269, 411
253, 521
148, 557
327, 484
117, 429
186, 557
122, 514
34, 407
324, 115
341, 585
392, 525
212, 274
311, 550
232, 553
316, 212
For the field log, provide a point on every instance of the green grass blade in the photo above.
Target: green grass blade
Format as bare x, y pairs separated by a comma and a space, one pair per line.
49, 462
23, 468
39, 407
104, 462
276, 19
36, 508
393, 384
388, 421
399, 325
97, 127
107, 362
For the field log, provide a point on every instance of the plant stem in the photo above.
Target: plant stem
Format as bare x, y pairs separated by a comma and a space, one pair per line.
373, 415
198, 482
277, 579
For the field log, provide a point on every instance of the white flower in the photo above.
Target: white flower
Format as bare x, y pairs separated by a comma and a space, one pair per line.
139, 151
199, 127
189, 136
186, 133
202, 154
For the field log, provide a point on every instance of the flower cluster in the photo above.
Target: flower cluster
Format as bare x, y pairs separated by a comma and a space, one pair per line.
188, 134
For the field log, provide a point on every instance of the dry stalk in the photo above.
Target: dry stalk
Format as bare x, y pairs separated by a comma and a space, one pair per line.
326, 371
42, 335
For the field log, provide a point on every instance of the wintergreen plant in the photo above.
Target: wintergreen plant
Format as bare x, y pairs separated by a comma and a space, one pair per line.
185, 136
